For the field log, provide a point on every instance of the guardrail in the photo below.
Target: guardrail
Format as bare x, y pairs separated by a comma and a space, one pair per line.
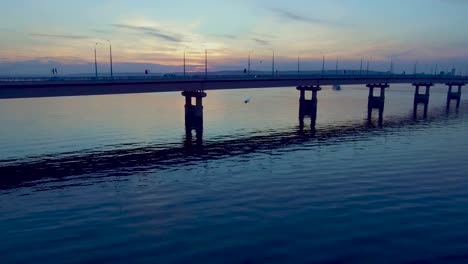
240, 77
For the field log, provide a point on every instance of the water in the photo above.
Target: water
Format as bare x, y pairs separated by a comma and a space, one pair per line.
116, 179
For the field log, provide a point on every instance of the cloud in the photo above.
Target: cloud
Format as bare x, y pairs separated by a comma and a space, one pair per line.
263, 35
262, 42
151, 31
7, 30
401, 54
455, 1
102, 31
60, 36
289, 15
70, 66
226, 36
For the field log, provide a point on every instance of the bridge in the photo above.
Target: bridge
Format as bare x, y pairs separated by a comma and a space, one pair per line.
196, 87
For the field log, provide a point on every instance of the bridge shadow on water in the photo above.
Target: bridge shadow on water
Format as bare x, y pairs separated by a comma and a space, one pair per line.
126, 162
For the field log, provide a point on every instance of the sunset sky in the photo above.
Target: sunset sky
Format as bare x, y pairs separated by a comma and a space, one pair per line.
36, 35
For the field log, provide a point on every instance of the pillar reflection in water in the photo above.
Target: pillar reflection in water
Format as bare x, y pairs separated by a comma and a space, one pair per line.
190, 140
370, 114
415, 110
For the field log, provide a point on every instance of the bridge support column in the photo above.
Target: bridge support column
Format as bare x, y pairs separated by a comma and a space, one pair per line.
421, 98
308, 107
376, 102
194, 113
451, 95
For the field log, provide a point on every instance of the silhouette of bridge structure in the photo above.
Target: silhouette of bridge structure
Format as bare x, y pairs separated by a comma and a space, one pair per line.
196, 87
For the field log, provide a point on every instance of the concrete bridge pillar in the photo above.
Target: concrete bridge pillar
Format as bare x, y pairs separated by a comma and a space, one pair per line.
194, 113
308, 107
421, 98
376, 101
454, 95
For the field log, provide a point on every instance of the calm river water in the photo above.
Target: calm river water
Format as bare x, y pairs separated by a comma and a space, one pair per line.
116, 179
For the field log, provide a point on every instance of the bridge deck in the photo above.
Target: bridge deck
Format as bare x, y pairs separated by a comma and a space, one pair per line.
70, 87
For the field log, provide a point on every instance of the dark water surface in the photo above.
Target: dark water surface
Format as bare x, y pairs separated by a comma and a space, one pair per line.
117, 179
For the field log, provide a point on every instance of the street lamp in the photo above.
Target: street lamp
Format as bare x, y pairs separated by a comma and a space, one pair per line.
184, 61
273, 64
248, 65
95, 60
298, 66
368, 65
110, 56
336, 65
248, 62
206, 61
391, 66
360, 69
323, 65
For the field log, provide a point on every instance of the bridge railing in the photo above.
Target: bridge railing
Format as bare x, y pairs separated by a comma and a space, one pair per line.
230, 76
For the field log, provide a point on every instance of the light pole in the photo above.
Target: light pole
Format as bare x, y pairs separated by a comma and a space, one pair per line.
95, 60
336, 65
368, 65
323, 65
110, 56
206, 62
184, 63
249, 63
298, 65
360, 69
273, 64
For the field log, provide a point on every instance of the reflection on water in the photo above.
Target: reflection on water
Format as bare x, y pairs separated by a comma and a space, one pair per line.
190, 139
370, 119
127, 179
161, 157
425, 109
